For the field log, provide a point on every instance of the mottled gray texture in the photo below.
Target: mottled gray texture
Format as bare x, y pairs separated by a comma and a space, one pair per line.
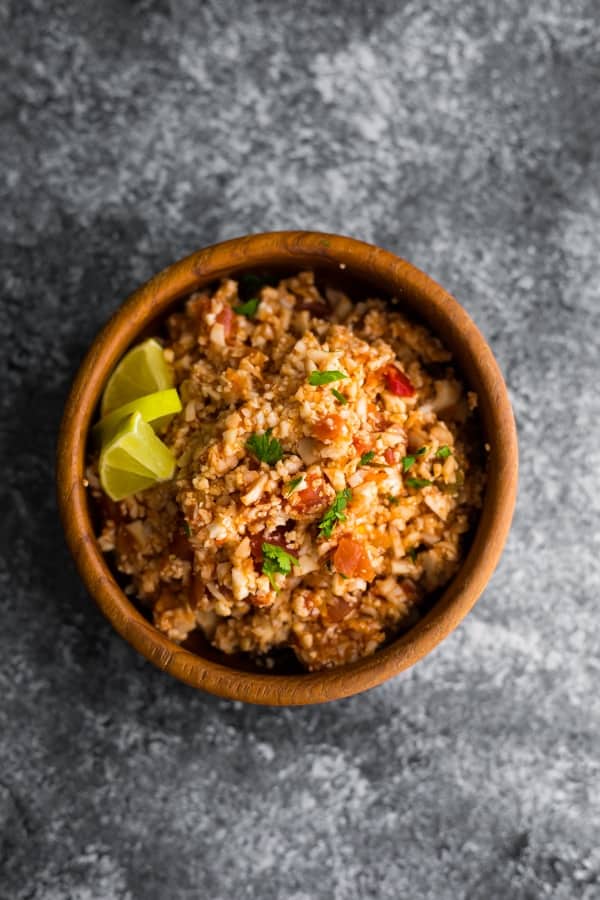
464, 136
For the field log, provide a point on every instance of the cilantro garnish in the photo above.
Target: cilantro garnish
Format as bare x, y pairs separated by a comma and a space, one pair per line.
317, 378
412, 554
339, 397
186, 528
408, 461
248, 308
393, 500
418, 482
335, 513
265, 448
276, 561
443, 453
291, 486
366, 458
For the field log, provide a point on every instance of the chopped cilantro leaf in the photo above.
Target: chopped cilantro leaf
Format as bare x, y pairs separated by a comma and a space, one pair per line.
335, 513
393, 500
276, 561
412, 554
317, 378
248, 308
187, 530
366, 458
265, 448
408, 461
293, 484
418, 482
339, 397
443, 453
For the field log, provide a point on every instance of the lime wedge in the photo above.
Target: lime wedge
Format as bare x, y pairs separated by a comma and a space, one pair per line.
156, 408
134, 459
142, 371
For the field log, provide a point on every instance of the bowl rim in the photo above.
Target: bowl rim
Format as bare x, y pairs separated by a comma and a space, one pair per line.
300, 249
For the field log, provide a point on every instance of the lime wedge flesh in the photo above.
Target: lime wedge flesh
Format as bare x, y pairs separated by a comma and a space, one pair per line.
134, 459
142, 371
156, 408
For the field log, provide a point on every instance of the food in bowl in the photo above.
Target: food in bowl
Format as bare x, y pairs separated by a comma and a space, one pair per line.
327, 472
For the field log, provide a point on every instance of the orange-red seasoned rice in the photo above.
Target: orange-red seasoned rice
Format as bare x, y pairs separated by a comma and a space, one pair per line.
192, 548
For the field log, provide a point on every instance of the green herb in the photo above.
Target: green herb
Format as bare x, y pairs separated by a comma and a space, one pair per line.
339, 397
187, 529
366, 458
248, 308
317, 378
276, 561
443, 453
265, 448
293, 484
408, 461
393, 500
335, 513
412, 554
418, 482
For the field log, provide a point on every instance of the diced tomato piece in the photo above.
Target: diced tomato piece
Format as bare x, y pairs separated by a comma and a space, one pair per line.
225, 318
330, 428
360, 445
311, 498
277, 538
398, 383
352, 560
390, 456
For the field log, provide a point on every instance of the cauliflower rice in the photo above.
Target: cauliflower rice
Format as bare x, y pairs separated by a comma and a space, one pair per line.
387, 456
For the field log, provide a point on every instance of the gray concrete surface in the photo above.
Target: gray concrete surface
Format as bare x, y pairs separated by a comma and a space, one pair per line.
462, 135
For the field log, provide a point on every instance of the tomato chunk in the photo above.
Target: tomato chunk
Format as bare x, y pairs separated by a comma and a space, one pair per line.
225, 318
398, 383
390, 456
352, 560
330, 428
277, 538
360, 445
311, 498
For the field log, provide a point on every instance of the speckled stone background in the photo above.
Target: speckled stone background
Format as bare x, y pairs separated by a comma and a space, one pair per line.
464, 136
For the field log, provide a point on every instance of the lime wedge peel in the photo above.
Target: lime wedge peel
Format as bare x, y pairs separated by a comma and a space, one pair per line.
134, 459
142, 371
156, 408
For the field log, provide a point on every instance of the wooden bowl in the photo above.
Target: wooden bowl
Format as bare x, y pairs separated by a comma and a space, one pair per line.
359, 264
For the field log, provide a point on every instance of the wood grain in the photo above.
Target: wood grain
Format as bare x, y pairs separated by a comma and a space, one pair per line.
389, 275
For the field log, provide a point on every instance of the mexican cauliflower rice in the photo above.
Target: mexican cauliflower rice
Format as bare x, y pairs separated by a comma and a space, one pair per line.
328, 470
